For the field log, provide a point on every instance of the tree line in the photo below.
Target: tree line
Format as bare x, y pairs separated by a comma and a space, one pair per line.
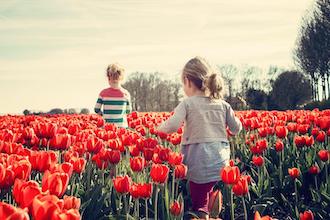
312, 52
278, 89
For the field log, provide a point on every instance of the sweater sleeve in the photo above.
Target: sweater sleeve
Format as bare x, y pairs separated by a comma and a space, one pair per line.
98, 105
175, 121
128, 104
232, 121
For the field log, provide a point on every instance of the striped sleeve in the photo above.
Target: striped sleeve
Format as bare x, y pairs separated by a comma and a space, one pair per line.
98, 105
128, 104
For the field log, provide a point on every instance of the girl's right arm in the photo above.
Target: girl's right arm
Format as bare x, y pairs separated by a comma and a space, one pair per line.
98, 105
175, 121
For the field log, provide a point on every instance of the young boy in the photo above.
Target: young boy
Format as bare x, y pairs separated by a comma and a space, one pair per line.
116, 100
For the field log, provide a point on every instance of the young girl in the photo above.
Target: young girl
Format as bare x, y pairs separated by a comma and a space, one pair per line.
116, 100
204, 142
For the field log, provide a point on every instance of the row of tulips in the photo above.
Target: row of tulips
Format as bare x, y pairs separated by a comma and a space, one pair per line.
279, 168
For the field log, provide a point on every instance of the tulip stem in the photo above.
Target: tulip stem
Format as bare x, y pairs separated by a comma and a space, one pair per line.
73, 184
146, 207
315, 181
138, 208
231, 204
173, 184
156, 203
244, 207
177, 188
259, 181
296, 197
326, 172
296, 190
280, 168
126, 205
103, 177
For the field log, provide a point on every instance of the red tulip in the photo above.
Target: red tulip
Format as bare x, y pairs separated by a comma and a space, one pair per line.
321, 136
164, 153
56, 183
176, 208
148, 153
258, 160
28, 133
279, 146
24, 192
43, 160
292, 127
78, 164
101, 164
73, 129
258, 217
315, 131
307, 215
122, 184
175, 158
241, 188
176, 139
180, 171
230, 175
231, 163
324, 155
162, 135
46, 206
262, 144
302, 129
60, 141
215, 203
300, 141
309, 141
9, 212
46, 130
314, 170
94, 145
62, 168
134, 151
294, 172
71, 202
72, 214
143, 190
262, 132
22, 169
2, 173
281, 131
113, 156
159, 173
137, 164
8, 179
323, 122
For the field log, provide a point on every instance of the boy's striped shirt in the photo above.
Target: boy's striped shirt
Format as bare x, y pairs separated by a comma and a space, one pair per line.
116, 104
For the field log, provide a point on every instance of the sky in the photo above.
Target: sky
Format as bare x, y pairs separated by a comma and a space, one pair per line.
53, 53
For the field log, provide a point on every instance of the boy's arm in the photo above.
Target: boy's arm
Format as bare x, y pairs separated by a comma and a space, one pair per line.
128, 105
232, 121
175, 121
98, 105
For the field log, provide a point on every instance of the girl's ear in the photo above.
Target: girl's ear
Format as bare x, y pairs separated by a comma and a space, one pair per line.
189, 83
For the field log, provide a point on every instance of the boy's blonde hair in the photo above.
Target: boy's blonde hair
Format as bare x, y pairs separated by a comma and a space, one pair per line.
200, 72
115, 71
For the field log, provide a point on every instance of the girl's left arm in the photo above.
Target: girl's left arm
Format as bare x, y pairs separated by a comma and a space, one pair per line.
175, 121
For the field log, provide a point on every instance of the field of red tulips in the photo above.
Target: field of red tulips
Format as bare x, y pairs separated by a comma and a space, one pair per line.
78, 167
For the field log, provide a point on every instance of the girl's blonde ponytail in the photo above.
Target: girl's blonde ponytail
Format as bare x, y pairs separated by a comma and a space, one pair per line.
214, 85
